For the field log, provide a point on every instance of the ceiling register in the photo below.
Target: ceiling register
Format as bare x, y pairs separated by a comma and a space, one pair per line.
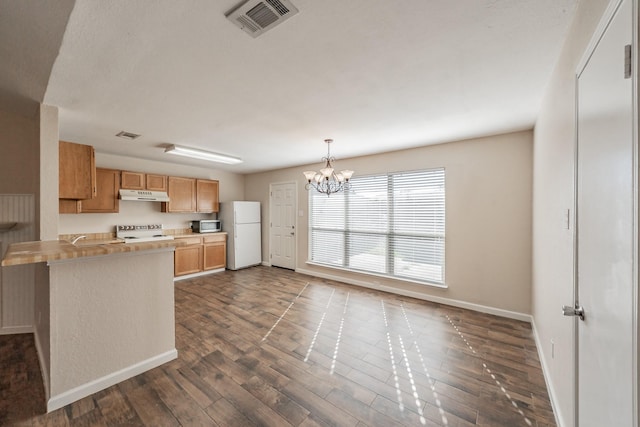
327, 181
256, 17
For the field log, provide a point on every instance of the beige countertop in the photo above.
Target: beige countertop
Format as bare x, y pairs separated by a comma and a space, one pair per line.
54, 250
186, 235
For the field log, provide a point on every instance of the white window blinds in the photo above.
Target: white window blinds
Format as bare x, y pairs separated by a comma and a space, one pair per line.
391, 225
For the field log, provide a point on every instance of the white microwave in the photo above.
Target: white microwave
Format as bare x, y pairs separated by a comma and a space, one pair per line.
206, 226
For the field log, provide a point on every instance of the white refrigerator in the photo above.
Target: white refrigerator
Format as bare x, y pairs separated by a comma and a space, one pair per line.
241, 220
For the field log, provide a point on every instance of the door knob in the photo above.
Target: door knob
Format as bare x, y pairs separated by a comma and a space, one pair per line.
576, 310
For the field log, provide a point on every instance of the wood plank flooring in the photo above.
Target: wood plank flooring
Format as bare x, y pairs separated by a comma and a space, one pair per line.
270, 347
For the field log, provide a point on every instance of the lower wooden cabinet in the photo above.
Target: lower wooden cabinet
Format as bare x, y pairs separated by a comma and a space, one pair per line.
200, 253
215, 252
188, 259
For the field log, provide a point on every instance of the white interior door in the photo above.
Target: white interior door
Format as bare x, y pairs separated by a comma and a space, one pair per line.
605, 228
283, 223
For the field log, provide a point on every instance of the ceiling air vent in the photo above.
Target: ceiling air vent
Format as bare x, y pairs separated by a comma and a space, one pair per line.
255, 17
127, 135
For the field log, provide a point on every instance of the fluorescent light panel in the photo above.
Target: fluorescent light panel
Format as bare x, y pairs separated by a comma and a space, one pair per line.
194, 153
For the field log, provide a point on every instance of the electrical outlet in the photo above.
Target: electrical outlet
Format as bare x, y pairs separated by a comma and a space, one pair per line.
553, 349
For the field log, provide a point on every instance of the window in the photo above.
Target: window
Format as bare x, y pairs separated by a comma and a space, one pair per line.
390, 225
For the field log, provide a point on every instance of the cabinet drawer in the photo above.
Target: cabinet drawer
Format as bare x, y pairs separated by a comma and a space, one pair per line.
215, 238
190, 240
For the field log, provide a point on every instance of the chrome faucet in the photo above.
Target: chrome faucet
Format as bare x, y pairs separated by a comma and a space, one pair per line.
75, 239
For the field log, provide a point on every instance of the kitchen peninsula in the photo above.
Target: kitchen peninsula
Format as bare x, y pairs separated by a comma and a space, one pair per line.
109, 314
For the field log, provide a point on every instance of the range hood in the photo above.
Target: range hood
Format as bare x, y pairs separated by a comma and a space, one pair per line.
144, 195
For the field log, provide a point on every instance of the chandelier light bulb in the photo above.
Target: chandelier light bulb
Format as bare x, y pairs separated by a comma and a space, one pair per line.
347, 174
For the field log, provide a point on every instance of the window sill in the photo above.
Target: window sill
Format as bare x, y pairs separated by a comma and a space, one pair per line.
382, 276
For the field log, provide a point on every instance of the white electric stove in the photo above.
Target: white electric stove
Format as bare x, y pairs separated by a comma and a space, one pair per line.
141, 233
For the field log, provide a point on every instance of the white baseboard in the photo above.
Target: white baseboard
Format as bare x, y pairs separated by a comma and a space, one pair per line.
201, 273
545, 372
418, 295
12, 330
70, 396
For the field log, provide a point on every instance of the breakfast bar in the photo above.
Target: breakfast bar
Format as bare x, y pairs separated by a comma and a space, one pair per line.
108, 314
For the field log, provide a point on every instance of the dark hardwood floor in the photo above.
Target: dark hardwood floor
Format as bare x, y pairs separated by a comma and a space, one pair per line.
270, 347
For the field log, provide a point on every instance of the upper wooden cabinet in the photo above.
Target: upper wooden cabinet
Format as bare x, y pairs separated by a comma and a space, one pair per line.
156, 182
207, 196
191, 195
133, 180
106, 200
142, 181
182, 195
77, 171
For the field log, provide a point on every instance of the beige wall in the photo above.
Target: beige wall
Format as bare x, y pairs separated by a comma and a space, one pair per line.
488, 202
48, 203
19, 162
111, 317
19, 174
552, 278
231, 188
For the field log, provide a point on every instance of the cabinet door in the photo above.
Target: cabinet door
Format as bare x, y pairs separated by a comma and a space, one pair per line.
68, 206
215, 255
182, 195
215, 251
77, 171
188, 259
106, 200
156, 182
207, 196
133, 180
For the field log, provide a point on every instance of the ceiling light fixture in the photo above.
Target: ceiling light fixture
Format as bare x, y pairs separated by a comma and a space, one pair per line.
327, 181
194, 153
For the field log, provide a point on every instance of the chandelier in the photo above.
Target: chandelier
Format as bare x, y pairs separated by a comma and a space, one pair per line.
327, 181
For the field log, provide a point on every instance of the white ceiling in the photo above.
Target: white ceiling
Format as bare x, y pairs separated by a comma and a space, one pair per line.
374, 75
